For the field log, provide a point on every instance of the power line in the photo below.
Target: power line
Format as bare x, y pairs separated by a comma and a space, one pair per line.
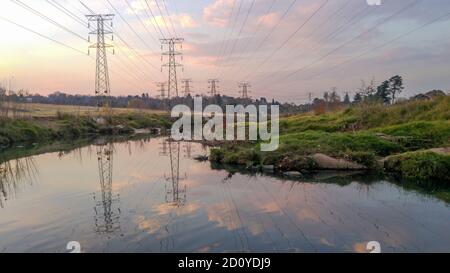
378, 24
170, 18
42, 35
67, 12
152, 15
163, 17
288, 39
140, 20
371, 50
129, 26
225, 32
54, 41
124, 42
32, 10
258, 27
264, 40
231, 33
297, 45
240, 32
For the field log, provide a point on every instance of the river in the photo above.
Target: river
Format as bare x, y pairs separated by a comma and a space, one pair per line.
151, 195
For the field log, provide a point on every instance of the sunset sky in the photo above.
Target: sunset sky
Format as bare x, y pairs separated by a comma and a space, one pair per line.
284, 48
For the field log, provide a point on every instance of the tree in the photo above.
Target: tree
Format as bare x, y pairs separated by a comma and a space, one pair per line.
358, 98
334, 97
383, 92
395, 86
346, 99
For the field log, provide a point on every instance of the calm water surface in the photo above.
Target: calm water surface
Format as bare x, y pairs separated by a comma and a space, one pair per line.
151, 196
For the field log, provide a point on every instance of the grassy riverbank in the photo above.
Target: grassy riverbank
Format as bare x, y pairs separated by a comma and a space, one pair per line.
360, 137
64, 126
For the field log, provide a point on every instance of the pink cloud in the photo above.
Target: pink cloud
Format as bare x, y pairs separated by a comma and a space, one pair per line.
218, 12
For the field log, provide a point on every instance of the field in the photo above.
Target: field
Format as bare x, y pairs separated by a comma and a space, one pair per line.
51, 110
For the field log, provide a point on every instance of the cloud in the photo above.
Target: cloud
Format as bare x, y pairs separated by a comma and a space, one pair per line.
269, 20
218, 13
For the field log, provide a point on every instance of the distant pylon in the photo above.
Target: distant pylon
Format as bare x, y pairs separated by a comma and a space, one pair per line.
172, 63
162, 90
245, 89
102, 86
213, 87
186, 86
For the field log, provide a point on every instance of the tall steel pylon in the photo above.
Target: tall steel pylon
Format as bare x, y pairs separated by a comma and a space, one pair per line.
172, 64
186, 86
107, 218
175, 195
213, 87
244, 89
102, 85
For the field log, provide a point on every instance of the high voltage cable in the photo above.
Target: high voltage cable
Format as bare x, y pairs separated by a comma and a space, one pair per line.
32, 10
286, 12
140, 20
226, 31
324, 22
152, 15
371, 50
258, 27
122, 40
230, 35
129, 26
378, 24
170, 18
288, 39
47, 38
67, 12
240, 33
42, 35
163, 17
353, 20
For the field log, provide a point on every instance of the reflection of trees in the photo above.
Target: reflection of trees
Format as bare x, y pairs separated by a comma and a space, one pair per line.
107, 217
12, 174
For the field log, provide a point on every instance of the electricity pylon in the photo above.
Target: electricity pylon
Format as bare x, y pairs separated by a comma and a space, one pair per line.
245, 89
213, 87
172, 64
102, 86
161, 89
175, 195
107, 218
186, 86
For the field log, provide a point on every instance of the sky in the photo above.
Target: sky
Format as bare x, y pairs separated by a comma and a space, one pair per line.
285, 49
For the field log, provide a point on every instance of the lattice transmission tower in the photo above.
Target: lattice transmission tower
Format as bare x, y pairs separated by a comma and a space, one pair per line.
102, 85
187, 84
107, 207
175, 194
245, 89
172, 64
213, 87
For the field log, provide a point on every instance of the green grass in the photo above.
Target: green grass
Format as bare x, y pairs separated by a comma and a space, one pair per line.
423, 167
67, 126
363, 134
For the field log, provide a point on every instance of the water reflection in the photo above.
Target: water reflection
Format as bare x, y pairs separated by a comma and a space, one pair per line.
13, 173
169, 202
107, 204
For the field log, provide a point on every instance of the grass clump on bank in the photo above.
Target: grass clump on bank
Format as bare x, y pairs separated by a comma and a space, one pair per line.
420, 166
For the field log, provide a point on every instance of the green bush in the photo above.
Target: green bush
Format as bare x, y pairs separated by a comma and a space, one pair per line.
421, 167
